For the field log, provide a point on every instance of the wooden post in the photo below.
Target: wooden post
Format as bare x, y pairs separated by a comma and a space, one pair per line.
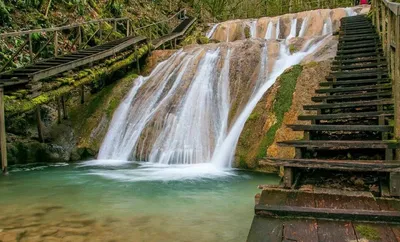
100, 32
30, 48
79, 36
127, 27
137, 60
396, 81
3, 141
55, 43
384, 40
82, 94
378, 24
389, 41
59, 109
39, 124
175, 43
64, 107
115, 25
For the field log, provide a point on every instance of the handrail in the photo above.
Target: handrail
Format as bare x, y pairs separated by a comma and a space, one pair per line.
386, 18
394, 7
70, 26
163, 21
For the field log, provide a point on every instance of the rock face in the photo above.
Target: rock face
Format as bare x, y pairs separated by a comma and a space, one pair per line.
303, 24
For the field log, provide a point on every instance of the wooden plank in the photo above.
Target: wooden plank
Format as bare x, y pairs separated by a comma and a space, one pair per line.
327, 127
345, 115
343, 165
341, 144
356, 61
349, 104
3, 140
347, 96
304, 230
323, 213
265, 230
355, 82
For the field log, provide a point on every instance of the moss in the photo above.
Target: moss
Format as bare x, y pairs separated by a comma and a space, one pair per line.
293, 49
368, 232
282, 104
247, 33
254, 116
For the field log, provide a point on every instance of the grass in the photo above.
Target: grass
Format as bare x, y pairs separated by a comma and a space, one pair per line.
282, 104
368, 232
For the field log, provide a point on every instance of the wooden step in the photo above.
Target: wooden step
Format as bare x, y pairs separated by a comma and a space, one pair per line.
347, 115
380, 59
328, 213
341, 144
359, 46
341, 165
328, 127
353, 67
351, 96
357, 73
354, 89
349, 104
359, 55
352, 51
359, 37
354, 82
345, 32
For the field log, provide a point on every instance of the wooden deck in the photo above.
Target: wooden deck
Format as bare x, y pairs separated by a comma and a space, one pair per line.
322, 215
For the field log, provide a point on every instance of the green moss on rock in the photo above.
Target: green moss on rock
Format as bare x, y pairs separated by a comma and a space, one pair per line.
282, 104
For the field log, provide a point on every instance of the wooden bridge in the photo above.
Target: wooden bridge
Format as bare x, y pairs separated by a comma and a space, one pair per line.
124, 36
344, 182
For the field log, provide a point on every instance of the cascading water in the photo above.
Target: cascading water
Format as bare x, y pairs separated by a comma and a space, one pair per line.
328, 28
211, 31
278, 29
185, 112
253, 29
303, 28
293, 29
268, 34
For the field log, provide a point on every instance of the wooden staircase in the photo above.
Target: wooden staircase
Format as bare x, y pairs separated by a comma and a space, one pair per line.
354, 108
344, 175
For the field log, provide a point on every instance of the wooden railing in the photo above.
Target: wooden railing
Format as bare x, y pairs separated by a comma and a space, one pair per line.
386, 18
70, 38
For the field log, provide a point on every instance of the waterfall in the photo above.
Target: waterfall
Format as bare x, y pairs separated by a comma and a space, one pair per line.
211, 32
303, 28
253, 29
278, 29
328, 28
268, 34
293, 29
350, 12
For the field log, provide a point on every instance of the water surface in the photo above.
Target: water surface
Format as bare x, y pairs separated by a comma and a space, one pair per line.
128, 202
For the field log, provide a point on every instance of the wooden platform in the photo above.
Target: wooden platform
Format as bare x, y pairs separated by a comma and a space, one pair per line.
324, 216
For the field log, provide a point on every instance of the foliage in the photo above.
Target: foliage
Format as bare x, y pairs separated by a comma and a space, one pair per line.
115, 7
230, 9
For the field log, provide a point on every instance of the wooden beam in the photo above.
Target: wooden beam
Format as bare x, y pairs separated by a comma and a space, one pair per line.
82, 94
59, 108
30, 48
64, 107
3, 140
396, 86
328, 213
55, 43
39, 124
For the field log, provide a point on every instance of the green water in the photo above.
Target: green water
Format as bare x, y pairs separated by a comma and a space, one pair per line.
142, 203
